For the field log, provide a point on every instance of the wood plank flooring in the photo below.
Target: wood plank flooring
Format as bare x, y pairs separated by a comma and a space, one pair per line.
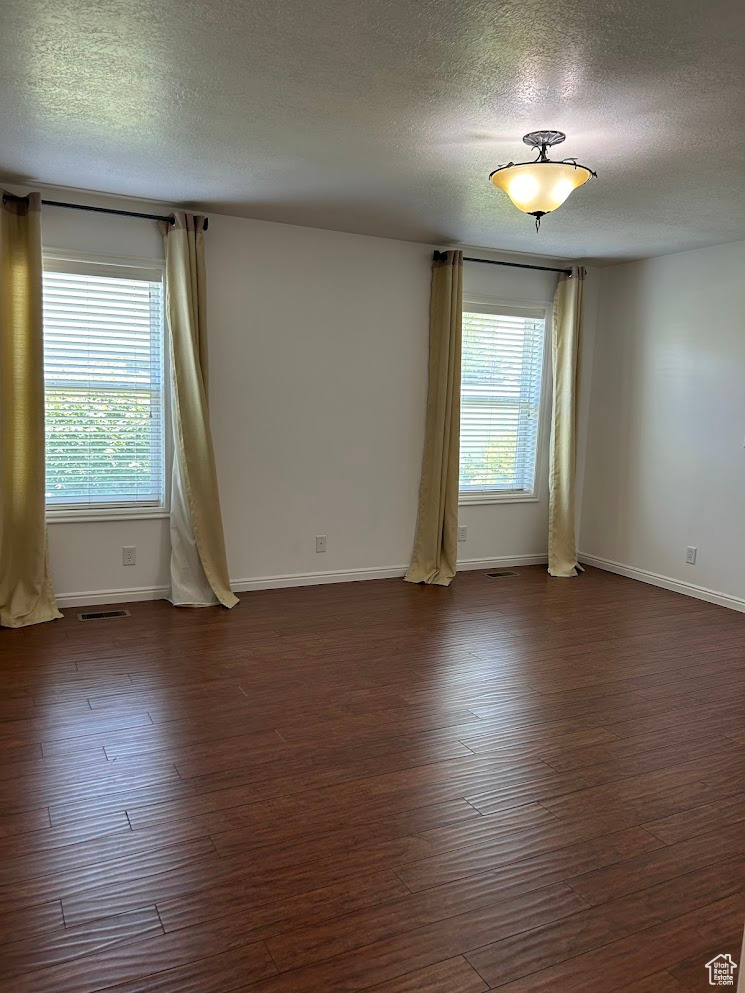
521, 784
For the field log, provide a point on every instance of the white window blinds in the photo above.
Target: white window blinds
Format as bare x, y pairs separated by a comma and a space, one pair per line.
103, 378
502, 368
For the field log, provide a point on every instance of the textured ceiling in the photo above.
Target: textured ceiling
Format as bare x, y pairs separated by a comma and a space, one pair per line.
385, 116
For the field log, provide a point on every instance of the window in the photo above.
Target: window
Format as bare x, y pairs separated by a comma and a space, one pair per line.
502, 371
103, 382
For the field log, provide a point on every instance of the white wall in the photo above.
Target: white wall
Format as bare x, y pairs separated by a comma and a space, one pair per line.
323, 336
318, 364
317, 395
665, 460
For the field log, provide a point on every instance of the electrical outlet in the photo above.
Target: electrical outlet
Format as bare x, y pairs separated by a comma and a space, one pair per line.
691, 555
320, 542
129, 555
462, 532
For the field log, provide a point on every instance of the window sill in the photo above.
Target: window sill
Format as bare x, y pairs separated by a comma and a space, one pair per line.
469, 499
122, 514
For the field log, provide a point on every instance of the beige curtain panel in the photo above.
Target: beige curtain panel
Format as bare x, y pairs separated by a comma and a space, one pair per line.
26, 595
436, 541
566, 336
199, 570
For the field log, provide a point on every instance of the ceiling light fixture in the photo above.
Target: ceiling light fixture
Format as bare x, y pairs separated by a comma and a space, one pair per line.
540, 186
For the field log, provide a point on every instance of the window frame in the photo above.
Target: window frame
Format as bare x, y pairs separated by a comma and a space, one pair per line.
120, 265
471, 304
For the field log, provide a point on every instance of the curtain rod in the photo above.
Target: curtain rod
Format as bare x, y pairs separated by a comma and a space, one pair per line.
103, 210
512, 265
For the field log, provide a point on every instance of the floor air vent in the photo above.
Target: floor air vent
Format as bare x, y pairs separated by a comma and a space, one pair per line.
501, 574
99, 615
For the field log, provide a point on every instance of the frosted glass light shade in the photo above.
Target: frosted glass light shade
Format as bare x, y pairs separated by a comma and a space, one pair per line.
540, 187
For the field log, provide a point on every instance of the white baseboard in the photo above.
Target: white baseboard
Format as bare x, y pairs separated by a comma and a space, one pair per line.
666, 582
92, 598
315, 578
95, 597
502, 562
357, 575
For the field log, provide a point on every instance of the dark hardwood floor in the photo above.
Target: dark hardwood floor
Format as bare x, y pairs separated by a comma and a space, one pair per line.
519, 784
